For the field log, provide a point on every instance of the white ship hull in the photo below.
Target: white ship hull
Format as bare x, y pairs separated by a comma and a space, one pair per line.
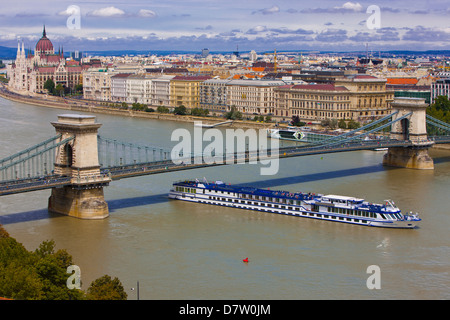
305, 209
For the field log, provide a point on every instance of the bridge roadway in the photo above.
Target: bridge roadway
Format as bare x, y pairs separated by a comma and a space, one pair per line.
142, 169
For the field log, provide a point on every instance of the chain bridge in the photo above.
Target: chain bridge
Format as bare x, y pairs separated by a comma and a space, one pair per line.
77, 163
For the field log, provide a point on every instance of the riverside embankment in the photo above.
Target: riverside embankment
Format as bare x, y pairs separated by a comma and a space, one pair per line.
81, 105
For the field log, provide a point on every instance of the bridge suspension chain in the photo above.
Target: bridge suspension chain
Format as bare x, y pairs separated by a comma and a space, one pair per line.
437, 127
36, 164
113, 153
28, 151
353, 132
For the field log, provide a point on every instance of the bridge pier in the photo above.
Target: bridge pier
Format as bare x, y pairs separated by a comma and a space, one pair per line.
78, 159
411, 128
409, 157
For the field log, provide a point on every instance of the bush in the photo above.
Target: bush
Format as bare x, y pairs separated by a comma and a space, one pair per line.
200, 112
42, 274
162, 109
180, 110
233, 114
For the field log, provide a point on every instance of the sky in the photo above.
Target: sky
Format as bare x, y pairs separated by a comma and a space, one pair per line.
225, 25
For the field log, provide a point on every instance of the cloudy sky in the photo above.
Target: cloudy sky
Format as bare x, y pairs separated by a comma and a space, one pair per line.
222, 25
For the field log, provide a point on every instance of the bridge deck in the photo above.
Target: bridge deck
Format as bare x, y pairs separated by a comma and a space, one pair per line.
157, 167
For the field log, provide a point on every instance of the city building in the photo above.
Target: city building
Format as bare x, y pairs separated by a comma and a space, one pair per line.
119, 87
185, 90
369, 98
97, 84
409, 88
253, 97
213, 95
29, 72
441, 87
312, 102
160, 90
139, 89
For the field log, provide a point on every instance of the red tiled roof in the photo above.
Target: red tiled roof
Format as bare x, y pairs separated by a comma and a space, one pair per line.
402, 81
46, 69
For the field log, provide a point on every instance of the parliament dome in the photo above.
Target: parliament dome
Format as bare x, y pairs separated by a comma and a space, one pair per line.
44, 45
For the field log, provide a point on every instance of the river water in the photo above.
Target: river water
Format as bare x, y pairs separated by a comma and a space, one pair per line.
179, 250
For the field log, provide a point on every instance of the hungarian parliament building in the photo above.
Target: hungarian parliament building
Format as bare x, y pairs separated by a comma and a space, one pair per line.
30, 71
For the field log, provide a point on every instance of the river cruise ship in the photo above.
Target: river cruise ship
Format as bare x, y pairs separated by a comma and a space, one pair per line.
302, 134
308, 205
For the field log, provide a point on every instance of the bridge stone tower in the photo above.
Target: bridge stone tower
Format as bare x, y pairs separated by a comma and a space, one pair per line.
78, 159
412, 128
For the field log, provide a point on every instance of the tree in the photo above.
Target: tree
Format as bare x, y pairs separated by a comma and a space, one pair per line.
233, 114
331, 123
59, 90
162, 109
49, 85
297, 122
352, 124
440, 109
200, 112
342, 124
105, 288
180, 110
42, 274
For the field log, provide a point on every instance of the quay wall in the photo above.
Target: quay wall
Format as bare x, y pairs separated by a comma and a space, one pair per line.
60, 103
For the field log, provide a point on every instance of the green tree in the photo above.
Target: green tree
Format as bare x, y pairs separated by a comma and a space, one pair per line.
199, 112
233, 114
49, 85
440, 109
342, 124
106, 288
180, 110
42, 274
59, 90
352, 124
162, 109
297, 122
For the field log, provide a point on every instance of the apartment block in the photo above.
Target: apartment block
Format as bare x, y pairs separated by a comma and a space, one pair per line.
119, 87
160, 90
185, 90
312, 102
213, 95
253, 97
440, 88
97, 84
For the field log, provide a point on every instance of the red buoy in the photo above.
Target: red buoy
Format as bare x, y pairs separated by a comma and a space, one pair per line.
245, 260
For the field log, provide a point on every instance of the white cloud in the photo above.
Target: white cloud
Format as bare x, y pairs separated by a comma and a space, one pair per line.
271, 10
145, 13
107, 12
70, 11
351, 6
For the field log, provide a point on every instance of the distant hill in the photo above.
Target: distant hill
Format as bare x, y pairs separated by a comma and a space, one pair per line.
7, 53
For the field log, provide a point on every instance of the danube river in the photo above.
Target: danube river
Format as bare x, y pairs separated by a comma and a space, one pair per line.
179, 250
